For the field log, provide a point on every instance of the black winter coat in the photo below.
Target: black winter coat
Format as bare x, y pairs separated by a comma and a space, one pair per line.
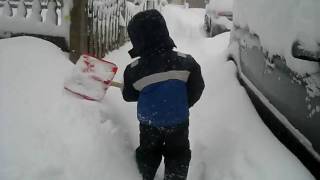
164, 82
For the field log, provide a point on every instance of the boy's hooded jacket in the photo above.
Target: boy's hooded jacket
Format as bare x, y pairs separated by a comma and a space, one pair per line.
164, 82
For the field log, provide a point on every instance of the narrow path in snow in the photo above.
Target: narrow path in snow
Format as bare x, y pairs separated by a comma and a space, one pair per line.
228, 138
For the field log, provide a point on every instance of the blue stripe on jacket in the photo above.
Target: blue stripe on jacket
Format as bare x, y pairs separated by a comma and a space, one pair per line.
165, 85
163, 104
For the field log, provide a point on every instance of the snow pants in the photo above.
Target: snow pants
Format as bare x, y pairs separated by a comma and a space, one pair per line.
172, 143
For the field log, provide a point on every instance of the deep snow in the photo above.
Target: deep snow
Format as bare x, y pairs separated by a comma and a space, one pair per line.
220, 5
46, 133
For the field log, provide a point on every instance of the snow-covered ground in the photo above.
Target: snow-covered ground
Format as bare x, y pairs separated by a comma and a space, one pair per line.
47, 134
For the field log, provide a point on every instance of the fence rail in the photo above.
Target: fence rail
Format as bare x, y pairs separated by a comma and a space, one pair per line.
105, 26
91, 26
44, 19
28, 3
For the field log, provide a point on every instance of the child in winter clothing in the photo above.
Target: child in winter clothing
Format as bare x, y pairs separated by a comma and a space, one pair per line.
165, 83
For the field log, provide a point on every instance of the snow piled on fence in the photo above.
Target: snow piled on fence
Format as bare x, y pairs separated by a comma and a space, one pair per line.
279, 24
37, 20
47, 134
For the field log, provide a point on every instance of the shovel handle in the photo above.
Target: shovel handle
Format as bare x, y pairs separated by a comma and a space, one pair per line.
116, 84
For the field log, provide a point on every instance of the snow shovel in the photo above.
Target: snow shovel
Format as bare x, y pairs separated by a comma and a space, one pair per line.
91, 78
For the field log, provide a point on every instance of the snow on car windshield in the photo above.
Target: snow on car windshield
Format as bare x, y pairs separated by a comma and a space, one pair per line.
279, 23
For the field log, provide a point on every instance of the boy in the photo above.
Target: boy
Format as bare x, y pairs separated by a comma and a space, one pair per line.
165, 84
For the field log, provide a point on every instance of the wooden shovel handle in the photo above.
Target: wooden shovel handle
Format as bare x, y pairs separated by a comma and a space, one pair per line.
116, 84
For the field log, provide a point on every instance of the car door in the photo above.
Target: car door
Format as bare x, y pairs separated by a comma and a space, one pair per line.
295, 97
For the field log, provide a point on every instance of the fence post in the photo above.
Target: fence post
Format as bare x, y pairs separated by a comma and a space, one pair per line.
78, 30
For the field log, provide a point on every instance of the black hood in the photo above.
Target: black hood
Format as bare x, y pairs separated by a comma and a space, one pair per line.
149, 34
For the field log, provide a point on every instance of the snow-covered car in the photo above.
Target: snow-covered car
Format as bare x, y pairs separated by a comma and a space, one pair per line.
218, 17
277, 52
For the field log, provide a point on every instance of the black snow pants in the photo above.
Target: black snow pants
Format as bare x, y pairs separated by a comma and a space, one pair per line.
172, 143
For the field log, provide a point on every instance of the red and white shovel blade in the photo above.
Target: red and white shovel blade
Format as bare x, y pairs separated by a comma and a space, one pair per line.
91, 77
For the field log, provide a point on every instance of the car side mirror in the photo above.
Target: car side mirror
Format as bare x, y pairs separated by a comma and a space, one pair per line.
300, 52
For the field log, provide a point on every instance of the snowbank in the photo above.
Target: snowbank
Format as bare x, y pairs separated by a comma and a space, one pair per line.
219, 5
279, 24
48, 134
179, 18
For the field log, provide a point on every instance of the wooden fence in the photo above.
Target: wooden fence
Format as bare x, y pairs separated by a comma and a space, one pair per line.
78, 26
107, 22
106, 26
